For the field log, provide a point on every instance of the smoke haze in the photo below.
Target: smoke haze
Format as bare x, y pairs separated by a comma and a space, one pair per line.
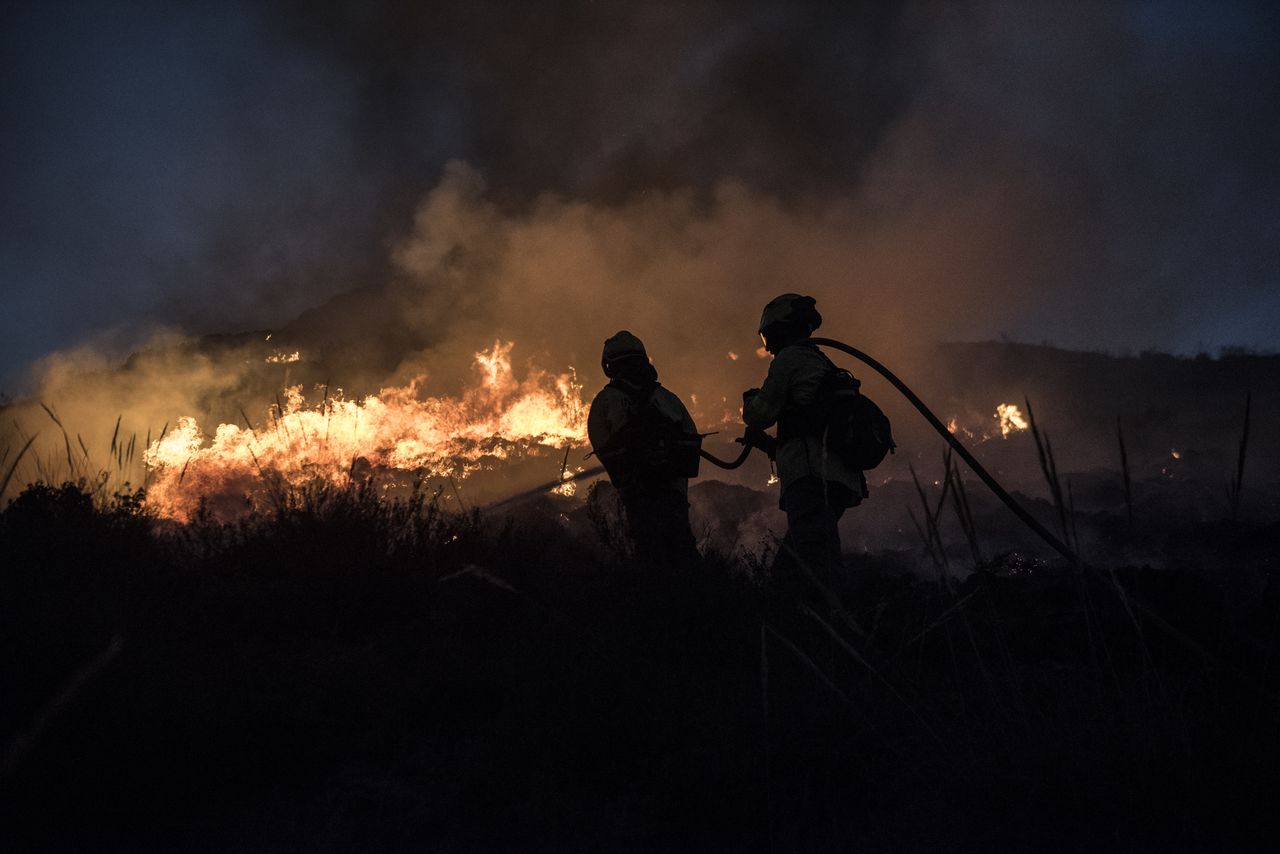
391, 187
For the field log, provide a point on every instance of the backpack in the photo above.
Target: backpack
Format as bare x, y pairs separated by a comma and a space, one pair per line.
853, 428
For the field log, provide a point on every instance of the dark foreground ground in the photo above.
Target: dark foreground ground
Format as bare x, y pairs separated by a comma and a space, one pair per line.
349, 676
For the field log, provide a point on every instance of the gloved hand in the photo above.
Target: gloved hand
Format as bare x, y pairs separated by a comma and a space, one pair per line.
757, 438
748, 395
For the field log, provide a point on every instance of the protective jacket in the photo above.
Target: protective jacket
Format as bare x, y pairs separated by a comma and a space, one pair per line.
787, 398
616, 407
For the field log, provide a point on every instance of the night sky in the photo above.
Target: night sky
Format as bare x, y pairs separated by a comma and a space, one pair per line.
224, 166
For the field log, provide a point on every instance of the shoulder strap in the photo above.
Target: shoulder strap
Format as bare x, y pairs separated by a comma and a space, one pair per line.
834, 370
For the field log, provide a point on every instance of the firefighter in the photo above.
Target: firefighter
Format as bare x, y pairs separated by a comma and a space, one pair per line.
816, 486
648, 444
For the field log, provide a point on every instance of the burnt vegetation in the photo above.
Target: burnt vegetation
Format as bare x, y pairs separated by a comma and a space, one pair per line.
347, 673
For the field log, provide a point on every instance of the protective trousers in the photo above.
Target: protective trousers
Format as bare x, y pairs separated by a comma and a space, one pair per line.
658, 523
813, 507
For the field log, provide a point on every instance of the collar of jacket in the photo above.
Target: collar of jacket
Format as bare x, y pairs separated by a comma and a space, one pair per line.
636, 390
803, 344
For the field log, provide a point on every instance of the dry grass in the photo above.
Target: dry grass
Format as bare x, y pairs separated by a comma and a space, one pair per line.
497, 683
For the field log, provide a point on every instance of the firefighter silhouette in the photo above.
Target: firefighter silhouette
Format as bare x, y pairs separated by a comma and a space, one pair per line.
648, 444
817, 487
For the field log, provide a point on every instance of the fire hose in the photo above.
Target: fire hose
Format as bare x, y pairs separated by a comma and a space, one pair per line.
956, 445
599, 470
1018, 510
964, 453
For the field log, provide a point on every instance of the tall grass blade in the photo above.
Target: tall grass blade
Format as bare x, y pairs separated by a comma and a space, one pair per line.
279, 415
875, 673
51, 414
810, 664
456, 494
934, 538
1237, 483
247, 422
924, 538
1124, 473
1049, 468
1071, 516
964, 514
8, 476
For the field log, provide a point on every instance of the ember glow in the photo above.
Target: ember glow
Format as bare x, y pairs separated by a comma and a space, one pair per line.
336, 440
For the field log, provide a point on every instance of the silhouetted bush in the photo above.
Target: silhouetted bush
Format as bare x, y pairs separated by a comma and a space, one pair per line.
348, 673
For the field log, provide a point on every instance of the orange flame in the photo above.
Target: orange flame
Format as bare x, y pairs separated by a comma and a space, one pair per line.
394, 429
1011, 419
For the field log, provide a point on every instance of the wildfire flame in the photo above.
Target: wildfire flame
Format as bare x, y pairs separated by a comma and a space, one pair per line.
336, 439
1011, 419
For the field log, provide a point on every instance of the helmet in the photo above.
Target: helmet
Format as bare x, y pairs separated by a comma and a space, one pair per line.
790, 309
621, 345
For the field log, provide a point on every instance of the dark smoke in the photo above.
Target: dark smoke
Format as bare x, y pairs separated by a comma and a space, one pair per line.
600, 101
1105, 170
390, 187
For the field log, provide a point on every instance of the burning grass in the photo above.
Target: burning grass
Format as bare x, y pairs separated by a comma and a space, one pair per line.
397, 430
398, 436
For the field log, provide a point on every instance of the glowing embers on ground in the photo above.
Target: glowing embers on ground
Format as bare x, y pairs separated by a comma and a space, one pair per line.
396, 429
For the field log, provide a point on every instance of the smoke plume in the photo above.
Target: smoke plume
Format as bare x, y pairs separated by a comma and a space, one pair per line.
390, 188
